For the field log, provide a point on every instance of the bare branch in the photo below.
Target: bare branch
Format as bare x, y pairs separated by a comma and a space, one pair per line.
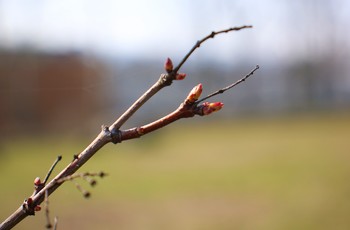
199, 43
165, 80
230, 86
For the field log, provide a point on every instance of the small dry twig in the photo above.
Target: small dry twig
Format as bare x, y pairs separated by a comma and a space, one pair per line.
199, 43
85, 176
231, 86
47, 211
52, 168
47, 214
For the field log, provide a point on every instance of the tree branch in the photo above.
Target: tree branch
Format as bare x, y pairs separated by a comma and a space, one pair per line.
112, 134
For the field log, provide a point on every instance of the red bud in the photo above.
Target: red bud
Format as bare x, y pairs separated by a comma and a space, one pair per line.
168, 65
37, 181
37, 208
29, 201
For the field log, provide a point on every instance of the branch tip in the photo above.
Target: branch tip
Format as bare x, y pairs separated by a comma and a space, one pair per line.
211, 35
232, 85
58, 159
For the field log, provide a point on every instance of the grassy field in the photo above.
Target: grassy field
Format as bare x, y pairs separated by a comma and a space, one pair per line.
282, 173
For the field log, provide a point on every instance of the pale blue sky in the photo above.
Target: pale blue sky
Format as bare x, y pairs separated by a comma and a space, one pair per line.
158, 28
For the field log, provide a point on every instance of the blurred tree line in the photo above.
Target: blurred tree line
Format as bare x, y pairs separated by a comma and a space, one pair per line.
44, 91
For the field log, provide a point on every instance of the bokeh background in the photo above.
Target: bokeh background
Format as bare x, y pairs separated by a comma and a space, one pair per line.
276, 157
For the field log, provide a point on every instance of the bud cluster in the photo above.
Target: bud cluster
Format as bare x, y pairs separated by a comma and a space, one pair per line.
169, 67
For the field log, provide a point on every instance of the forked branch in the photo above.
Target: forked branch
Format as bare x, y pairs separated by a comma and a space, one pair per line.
166, 79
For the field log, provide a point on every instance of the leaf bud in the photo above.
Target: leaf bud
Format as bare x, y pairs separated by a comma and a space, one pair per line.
168, 65
209, 108
37, 181
194, 94
37, 208
180, 76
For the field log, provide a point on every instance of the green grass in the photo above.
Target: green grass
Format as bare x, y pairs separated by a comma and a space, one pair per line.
286, 173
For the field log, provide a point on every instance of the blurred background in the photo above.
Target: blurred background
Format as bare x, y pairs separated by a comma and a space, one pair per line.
276, 156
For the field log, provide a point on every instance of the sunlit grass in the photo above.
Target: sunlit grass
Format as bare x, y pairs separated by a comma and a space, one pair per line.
286, 173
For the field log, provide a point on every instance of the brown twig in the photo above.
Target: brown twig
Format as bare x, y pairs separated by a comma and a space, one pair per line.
181, 112
85, 176
47, 211
47, 214
199, 43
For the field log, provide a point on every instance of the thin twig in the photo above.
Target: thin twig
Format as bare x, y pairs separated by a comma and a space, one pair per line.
198, 43
51, 169
230, 86
55, 223
47, 212
83, 176
85, 193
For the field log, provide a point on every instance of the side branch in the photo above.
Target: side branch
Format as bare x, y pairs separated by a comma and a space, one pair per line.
183, 111
199, 43
189, 108
230, 86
